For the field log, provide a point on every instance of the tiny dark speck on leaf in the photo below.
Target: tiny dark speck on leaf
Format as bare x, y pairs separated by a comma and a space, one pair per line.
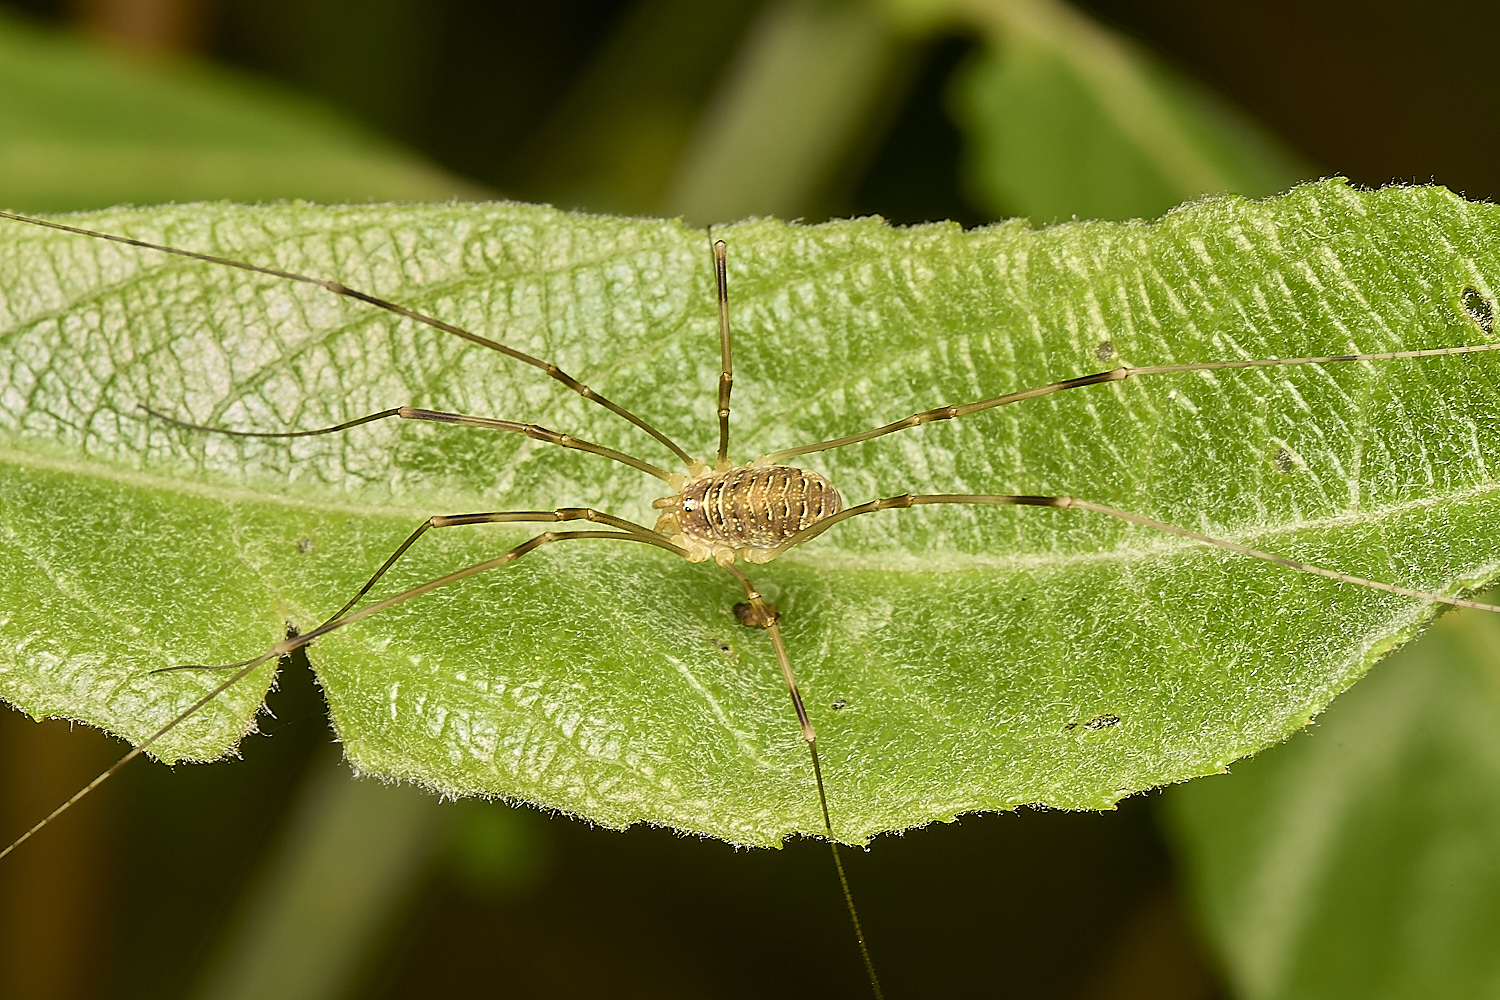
840, 703
723, 646
304, 545
1102, 722
1105, 350
1284, 462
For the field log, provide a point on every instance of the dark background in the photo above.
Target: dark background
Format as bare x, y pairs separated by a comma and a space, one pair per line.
1379, 91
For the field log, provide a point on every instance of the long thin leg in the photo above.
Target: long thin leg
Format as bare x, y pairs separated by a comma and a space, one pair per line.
455, 520
1113, 375
917, 500
534, 431
726, 355
547, 367
243, 668
762, 614
497, 517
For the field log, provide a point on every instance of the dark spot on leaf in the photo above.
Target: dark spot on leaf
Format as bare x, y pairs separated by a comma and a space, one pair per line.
1285, 464
304, 545
750, 617
1102, 722
1105, 350
1479, 309
1071, 725
840, 703
723, 647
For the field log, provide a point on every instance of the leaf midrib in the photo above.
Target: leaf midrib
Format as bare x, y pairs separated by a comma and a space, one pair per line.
833, 560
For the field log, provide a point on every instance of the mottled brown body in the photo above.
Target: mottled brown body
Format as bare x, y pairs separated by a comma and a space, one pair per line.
746, 513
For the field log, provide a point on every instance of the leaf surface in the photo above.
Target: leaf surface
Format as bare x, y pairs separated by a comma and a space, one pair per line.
953, 658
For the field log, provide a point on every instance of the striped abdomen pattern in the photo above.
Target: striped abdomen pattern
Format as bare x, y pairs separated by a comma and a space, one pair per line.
755, 508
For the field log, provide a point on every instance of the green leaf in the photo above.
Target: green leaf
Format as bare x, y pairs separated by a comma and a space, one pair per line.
1063, 118
84, 126
614, 143
805, 89
1357, 860
355, 848
953, 658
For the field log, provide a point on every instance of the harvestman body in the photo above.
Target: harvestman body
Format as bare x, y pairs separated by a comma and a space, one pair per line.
722, 513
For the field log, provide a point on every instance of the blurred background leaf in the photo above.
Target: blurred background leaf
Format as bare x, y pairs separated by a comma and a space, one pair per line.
82, 126
1064, 118
1358, 860
914, 109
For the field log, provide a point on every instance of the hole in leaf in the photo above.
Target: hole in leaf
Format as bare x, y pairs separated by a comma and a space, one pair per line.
1479, 309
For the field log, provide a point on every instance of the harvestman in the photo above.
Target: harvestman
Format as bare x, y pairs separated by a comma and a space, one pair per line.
751, 513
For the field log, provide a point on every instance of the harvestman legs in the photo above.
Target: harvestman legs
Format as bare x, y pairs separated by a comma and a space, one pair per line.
500, 517
757, 613
630, 531
243, 668
1012, 500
